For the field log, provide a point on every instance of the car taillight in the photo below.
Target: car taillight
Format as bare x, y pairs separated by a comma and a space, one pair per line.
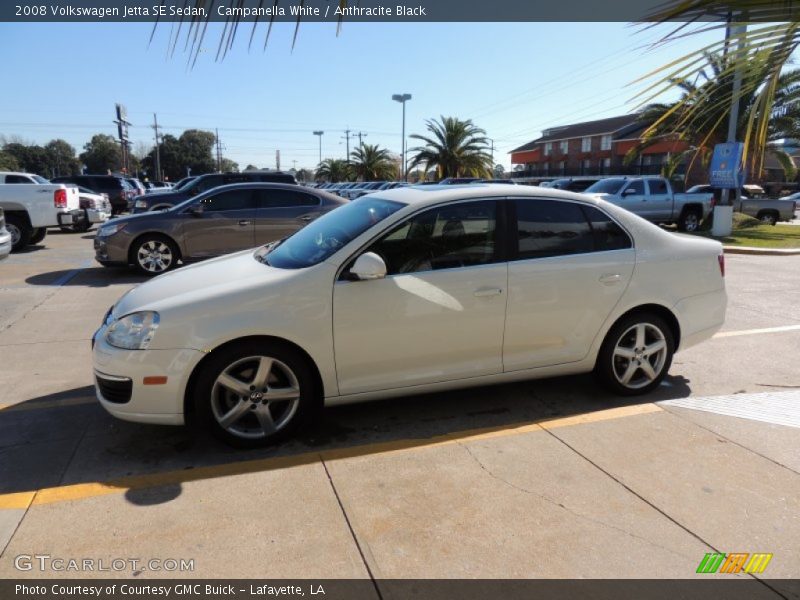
713, 202
721, 260
60, 199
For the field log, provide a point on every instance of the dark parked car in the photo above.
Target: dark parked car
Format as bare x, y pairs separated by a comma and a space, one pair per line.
458, 180
203, 183
118, 190
136, 185
222, 220
573, 184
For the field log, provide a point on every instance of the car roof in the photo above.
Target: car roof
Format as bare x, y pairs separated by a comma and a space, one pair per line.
435, 194
270, 185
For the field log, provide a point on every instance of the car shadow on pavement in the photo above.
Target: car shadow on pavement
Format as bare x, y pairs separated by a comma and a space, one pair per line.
88, 277
67, 438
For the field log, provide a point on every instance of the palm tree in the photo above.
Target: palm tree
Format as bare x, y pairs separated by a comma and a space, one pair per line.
455, 148
333, 169
758, 54
700, 117
371, 163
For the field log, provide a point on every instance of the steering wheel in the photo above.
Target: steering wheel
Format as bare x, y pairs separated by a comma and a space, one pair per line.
334, 239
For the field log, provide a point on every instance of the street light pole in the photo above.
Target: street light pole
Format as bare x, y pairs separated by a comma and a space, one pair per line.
402, 99
319, 134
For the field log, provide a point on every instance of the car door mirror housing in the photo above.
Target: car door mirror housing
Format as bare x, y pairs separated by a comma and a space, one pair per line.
196, 210
368, 266
629, 192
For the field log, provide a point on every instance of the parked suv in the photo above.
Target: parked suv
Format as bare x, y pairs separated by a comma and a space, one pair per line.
118, 190
203, 183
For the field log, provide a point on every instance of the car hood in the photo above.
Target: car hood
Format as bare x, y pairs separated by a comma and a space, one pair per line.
194, 284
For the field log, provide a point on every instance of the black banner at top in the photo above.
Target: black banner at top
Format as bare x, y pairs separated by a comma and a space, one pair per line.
391, 10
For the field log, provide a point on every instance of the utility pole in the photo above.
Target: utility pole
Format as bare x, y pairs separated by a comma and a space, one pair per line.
319, 134
346, 138
402, 99
361, 134
492, 153
219, 153
158, 151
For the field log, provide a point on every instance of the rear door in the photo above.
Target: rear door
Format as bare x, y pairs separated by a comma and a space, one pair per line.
281, 212
226, 223
659, 200
570, 265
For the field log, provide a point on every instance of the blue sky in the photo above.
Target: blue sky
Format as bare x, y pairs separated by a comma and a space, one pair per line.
512, 79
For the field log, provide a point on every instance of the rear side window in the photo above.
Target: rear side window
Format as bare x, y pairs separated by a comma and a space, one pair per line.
657, 186
286, 199
607, 234
17, 179
551, 228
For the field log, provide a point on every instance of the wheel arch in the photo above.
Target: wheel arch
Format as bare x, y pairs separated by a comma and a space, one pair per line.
188, 404
657, 309
769, 211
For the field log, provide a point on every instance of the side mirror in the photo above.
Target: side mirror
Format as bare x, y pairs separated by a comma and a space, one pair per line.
196, 210
368, 266
629, 192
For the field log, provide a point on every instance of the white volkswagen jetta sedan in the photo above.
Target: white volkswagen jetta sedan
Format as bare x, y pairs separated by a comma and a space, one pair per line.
409, 291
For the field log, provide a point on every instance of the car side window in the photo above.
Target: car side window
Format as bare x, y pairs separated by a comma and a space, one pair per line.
607, 234
657, 186
228, 201
637, 185
207, 183
551, 228
286, 199
17, 179
448, 237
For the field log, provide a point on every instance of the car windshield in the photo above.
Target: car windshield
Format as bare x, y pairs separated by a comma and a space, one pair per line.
39, 179
606, 186
321, 238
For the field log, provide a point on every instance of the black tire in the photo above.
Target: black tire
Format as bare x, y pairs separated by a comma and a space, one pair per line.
690, 220
20, 231
611, 368
38, 235
241, 361
768, 217
153, 254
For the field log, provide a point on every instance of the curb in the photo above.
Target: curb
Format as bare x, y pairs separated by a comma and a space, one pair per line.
762, 251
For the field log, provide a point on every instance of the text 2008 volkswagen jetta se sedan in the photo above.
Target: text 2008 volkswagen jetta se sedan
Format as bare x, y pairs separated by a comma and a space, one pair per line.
409, 291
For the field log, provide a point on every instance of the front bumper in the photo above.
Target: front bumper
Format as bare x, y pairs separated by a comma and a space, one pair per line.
110, 253
121, 374
94, 215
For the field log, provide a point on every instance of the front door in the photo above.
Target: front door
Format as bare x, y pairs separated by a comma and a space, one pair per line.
438, 314
224, 223
281, 212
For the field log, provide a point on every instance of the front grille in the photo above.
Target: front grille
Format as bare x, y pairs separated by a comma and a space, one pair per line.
117, 390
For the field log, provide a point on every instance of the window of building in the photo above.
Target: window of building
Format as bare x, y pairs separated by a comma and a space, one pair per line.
586, 144
564, 147
546, 168
606, 165
586, 164
605, 142
562, 166
548, 148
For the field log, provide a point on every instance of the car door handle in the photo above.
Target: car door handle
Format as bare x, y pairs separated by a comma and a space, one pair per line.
483, 292
610, 278
244, 223
306, 218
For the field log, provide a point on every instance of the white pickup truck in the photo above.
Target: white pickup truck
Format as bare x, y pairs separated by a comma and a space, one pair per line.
653, 198
30, 209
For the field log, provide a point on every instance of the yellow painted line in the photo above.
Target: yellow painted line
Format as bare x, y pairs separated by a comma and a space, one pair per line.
16, 500
81, 491
23, 406
724, 334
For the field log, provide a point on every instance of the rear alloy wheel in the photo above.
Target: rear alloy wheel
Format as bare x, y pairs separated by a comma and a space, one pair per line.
254, 394
636, 355
20, 232
154, 255
768, 218
689, 221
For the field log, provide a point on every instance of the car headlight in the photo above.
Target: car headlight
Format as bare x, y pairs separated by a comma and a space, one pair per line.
110, 229
140, 204
134, 331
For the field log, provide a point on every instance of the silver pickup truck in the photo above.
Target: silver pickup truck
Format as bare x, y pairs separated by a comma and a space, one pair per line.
652, 198
754, 202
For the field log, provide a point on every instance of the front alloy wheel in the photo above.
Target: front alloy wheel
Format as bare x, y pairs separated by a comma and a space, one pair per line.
154, 256
636, 355
254, 393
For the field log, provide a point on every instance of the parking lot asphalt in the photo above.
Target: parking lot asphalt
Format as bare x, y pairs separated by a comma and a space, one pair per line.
551, 478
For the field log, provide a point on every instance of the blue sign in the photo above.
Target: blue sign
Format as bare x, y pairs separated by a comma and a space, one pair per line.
726, 166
